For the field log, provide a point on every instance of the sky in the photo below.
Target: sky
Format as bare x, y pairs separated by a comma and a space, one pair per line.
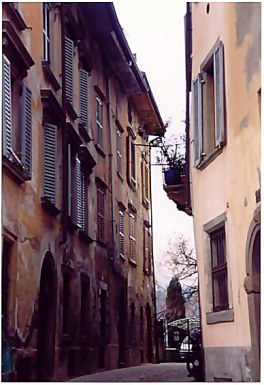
155, 33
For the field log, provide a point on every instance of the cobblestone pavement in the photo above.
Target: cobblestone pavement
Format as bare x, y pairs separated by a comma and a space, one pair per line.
163, 372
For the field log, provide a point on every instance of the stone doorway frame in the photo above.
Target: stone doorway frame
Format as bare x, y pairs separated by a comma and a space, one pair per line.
252, 288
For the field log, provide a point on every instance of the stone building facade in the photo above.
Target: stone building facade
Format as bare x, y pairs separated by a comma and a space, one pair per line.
77, 265
223, 135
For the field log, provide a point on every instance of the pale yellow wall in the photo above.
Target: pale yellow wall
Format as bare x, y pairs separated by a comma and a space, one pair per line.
229, 183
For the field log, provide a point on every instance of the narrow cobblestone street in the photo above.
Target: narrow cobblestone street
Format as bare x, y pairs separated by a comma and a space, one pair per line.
163, 372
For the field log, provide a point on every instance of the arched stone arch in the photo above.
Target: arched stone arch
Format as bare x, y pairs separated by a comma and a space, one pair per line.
252, 287
46, 318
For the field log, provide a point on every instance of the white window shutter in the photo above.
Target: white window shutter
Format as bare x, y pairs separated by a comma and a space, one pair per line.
7, 107
69, 47
219, 95
84, 98
26, 128
198, 121
50, 154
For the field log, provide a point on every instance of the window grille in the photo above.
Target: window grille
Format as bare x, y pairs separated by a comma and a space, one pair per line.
219, 270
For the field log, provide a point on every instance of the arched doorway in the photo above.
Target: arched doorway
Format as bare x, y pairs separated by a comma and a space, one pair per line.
46, 319
149, 333
252, 287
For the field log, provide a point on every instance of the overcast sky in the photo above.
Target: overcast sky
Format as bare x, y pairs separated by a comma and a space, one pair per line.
155, 33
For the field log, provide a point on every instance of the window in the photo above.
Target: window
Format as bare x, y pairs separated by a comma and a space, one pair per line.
84, 111
121, 234
81, 184
131, 163
147, 249
209, 112
69, 53
145, 175
132, 236
50, 163
219, 270
100, 214
119, 151
85, 306
17, 121
46, 32
99, 121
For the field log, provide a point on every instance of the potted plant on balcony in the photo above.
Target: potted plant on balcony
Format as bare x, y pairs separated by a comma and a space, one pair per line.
172, 158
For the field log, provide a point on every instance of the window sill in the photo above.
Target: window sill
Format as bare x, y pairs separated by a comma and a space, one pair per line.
50, 75
71, 225
71, 111
49, 206
19, 21
122, 257
84, 132
220, 316
99, 150
83, 235
210, 158
15, 171
101, 243
132, 262
132, 184
146, 203
120, 176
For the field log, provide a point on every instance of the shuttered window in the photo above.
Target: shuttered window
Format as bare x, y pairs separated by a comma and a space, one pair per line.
81, 197
7, 108
26, 121
46, 32
99, 121
17, 142
145, 181
50, 162
208, 106
100, 214
84, 98
147, 252
131, 163
121, 234
69, 50
132, 236
119, 151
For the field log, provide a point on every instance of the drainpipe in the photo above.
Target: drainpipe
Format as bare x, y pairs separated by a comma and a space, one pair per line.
188, 67
153, 268
64, 136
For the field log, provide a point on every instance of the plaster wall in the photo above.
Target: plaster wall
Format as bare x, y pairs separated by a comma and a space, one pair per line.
228, 184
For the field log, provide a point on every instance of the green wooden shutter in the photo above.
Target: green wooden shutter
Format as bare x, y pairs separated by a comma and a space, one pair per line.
7, 107
219, 95
26, 128
50, 154
198, 121
84, 98
69, 47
